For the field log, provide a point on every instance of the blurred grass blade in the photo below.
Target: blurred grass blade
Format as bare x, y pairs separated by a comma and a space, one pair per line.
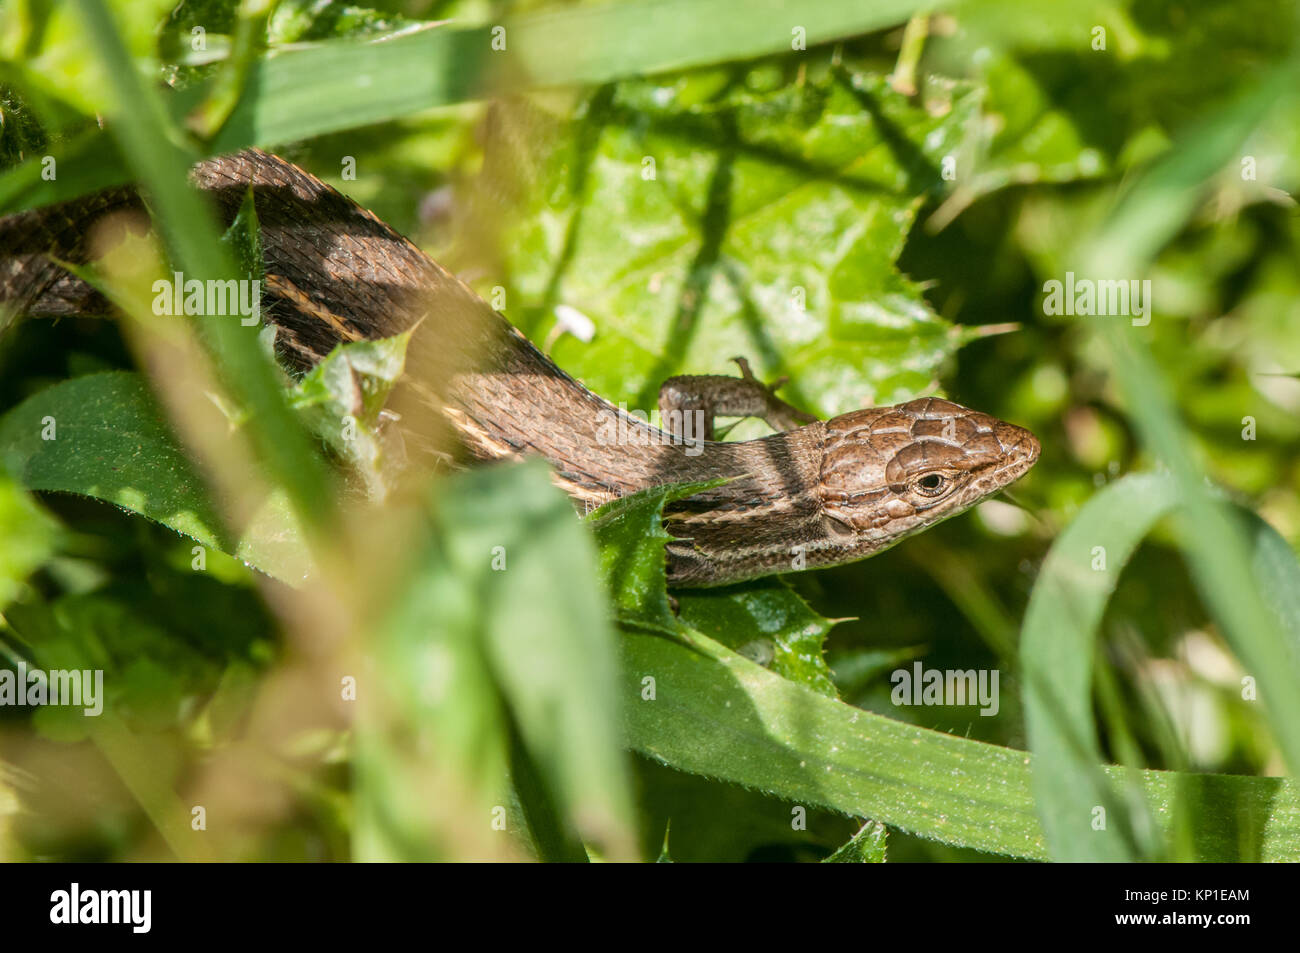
495, 640
514, 538
1217, 547
1166, 195
148, 780
232, 75
27, 537
597, 43
1057, 645
148, 143
1278, 571
552, 841
85, 163
537, 639
343, 84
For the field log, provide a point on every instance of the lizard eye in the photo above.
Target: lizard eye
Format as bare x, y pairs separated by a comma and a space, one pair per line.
931, 484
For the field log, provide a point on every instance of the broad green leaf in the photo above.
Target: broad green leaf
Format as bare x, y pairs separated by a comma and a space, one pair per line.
102, 436
631, 539
768, 623
763, 222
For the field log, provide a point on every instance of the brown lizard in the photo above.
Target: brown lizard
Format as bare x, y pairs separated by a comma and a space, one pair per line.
816, 493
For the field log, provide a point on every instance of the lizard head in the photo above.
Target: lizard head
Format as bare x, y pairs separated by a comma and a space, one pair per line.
889, 472
885, 473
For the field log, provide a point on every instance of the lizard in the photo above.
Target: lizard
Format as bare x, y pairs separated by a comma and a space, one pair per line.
815, 493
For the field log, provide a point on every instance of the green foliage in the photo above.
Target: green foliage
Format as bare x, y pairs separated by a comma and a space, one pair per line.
103, 436
31, 535
1078, 577
340, 400
500, 657
764, 621
769, 624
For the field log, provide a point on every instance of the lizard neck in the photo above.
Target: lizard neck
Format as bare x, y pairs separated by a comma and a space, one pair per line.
521, 403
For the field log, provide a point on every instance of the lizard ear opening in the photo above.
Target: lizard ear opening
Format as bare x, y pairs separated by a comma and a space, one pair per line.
838, 526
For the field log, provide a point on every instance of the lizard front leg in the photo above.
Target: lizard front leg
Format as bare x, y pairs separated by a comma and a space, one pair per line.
705, 397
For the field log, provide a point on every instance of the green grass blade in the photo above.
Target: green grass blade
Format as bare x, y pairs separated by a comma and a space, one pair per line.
719, 715
334, 86
1057, 645
327, 87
